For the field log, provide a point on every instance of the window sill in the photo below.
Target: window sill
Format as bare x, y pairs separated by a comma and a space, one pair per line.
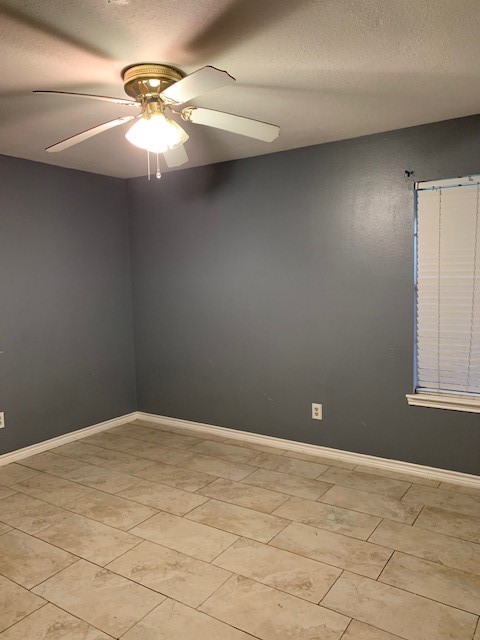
453, 403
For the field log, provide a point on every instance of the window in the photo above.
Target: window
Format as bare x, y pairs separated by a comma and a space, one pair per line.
447, 270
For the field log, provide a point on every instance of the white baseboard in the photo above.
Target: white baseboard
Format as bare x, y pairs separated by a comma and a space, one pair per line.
31, 450
433, 473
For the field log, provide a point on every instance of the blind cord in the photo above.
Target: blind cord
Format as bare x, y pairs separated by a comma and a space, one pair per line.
472, 315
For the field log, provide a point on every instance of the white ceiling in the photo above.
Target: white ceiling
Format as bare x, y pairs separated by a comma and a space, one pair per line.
322, 69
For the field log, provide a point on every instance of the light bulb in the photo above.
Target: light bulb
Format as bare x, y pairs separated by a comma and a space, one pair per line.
156, 133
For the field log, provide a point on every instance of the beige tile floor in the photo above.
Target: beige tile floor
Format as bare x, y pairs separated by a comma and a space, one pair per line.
147, 532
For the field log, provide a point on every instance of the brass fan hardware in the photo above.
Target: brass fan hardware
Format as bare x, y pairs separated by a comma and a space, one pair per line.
143, 81
155, 89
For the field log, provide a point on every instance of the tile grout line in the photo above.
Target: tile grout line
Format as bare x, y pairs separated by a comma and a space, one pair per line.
227, 460
324, 562
219, 619
117, 573
369, 624
288, 551
74, 482
290, 495
30, 589
75, 554
411, 479
179, 464
90, 623
392, 555
221, 530
205, 613
419, 595
344, 634
236, 504
181, 431
392, 551
233, 573
319, 477
441, 533
47, 602
335, 566
441, 566
418, 515
230, 577
351, 466
107, 493
376, 527
140, 478
222, 552
148, 612
376, 493
423, 596
325, 528
289, 522
69, 510
265, 584
287, 498
406, 491
80, 515
477, 629
342, 570
79, 558
357, 510
360, 467
157, 511
66, 507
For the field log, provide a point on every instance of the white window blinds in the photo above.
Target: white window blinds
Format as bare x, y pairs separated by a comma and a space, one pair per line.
448, 287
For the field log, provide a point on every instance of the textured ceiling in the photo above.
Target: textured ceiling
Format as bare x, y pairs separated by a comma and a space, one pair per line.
322, 69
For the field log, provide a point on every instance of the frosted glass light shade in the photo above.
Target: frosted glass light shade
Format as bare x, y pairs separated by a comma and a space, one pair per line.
157, 133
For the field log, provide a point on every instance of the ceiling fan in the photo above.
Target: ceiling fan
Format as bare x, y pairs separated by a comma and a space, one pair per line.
157, 89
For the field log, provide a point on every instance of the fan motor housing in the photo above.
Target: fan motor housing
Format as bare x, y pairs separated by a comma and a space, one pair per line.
143, 81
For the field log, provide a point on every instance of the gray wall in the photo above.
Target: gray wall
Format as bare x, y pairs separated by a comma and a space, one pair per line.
266, 284
66, 335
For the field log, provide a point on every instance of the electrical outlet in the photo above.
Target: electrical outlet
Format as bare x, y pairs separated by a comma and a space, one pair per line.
317, 413
2, 420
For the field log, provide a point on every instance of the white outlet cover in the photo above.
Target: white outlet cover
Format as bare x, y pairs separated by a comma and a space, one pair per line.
2, 420
317, 411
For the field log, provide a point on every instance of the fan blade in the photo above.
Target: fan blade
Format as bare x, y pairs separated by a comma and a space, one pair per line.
229, 122
239, 21
176, 157
89, 133
130, 103
197, 83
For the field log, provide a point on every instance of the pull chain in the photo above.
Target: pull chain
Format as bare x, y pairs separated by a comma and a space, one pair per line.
158, 173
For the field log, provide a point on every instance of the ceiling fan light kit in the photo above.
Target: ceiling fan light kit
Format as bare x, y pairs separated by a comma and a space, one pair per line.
154, 131
156, 88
